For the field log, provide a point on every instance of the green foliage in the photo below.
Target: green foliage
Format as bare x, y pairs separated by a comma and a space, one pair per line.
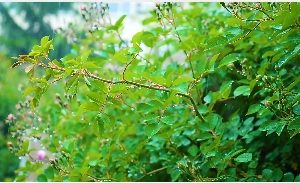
9, 97
207, 115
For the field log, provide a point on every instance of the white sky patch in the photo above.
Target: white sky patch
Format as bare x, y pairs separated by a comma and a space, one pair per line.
19, 18
62, 19
135, 13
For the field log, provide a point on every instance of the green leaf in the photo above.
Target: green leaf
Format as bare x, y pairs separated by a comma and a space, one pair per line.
44, 40
287, 57
234, 31
267, 174
29, 90
214, 120
152, 129
296, 109
193, 150
293, 84
87, 82
182, 88
46, 45
211, 64
245, 157
208, 150
148, 38
96, 97
169, 120
68, 145
137, 38
232, 153
122, 56
208, 98
295, 124
173, 98
42, 178
103, 118
277, 174
225, 89
49, 173
24, 149
242, 90
182, 79
288, 177
175, 174
34, 103
84, 55
216, 42
253, 109
145, 108
119, 22
203, 109
91, 106
30, 70
205, 135
228, 59
273, 126
297, 179
93, 163
70, 83
149, 20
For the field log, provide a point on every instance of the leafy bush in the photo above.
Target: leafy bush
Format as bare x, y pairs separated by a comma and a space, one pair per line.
206, 92
9, 97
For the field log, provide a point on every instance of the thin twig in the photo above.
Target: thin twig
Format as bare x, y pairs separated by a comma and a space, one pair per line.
106, 99
152, 172
127, 65
188, 57
248, 32
100, 179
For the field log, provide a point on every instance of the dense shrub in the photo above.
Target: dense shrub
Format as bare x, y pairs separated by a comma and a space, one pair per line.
205, 92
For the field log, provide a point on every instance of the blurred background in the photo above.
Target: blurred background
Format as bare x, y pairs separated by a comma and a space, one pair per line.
21, 26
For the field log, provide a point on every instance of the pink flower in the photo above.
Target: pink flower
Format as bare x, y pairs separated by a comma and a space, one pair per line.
82, 8
11, 117
41, 154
